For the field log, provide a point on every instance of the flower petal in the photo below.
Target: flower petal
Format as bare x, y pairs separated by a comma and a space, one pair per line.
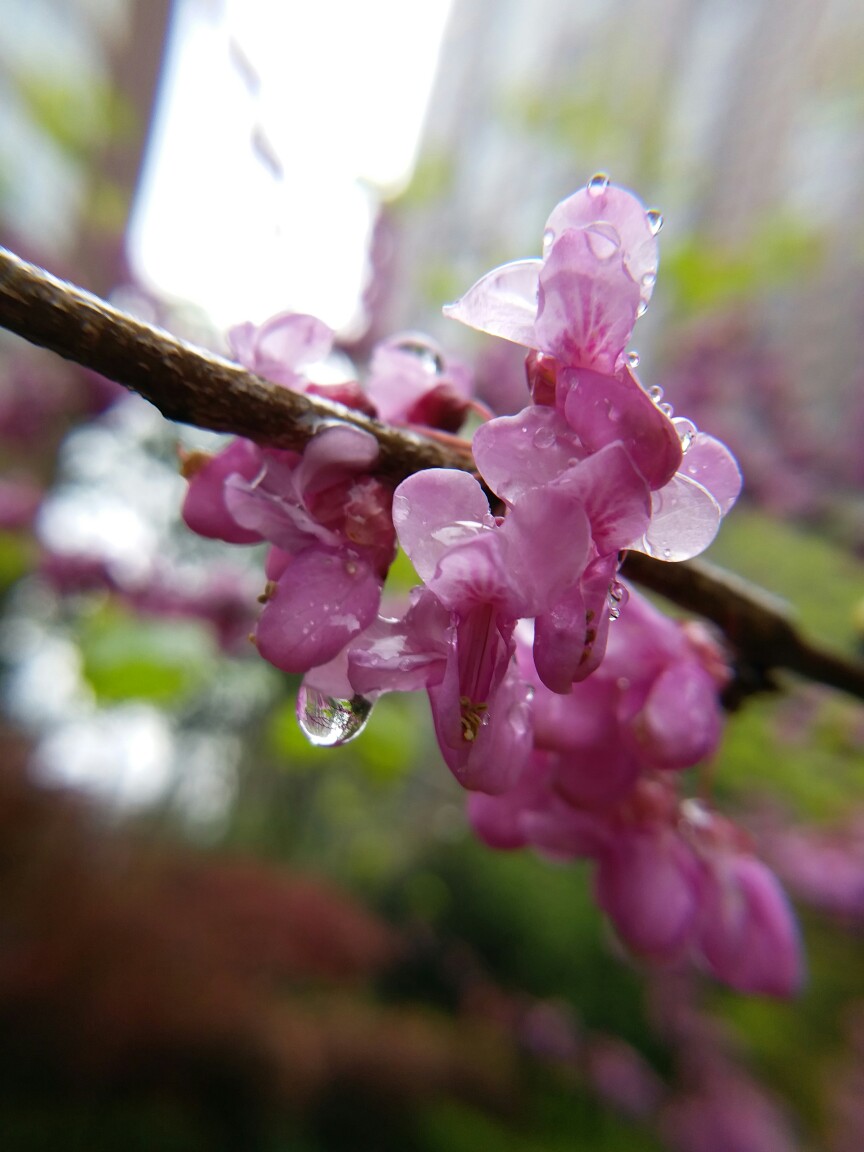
436, 509
626, 214
587, 301
323, 599
502, 303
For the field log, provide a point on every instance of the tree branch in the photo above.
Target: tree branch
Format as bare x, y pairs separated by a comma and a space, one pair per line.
186, 383
196, 387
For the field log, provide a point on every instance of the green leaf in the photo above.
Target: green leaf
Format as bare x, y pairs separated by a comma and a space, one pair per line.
126, 657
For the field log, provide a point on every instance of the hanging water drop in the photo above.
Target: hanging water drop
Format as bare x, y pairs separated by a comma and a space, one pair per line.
618, 597
655, 220
598, 184
328, 722
667, 410
656, 393
633, 359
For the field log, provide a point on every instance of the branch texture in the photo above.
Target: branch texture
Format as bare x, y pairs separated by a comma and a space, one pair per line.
196, 387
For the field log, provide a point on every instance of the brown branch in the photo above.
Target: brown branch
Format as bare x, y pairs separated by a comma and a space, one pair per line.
196, 387
188, 384
759, 627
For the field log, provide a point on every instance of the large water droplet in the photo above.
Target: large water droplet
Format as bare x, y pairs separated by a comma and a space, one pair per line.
633, 359
328, 722
598, 184
426, 353
655, 220
686, 430
544, 438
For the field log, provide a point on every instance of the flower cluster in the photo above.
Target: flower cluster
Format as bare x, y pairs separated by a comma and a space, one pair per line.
325, 514
569, 729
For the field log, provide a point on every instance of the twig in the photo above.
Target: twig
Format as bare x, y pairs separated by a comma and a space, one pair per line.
759, 627
196, 387
186, 383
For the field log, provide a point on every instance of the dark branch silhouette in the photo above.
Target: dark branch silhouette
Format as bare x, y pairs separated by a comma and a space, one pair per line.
196, 387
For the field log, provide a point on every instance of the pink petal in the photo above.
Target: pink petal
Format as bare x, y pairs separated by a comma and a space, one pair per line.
531, 449
710, 463
403, 655
548, 542
205, 509
613, 493
436, 509
649, 886
626, 214
333, 455
680, 722
502, 303
587, 302
749, 937
322, 600
685, 518
602, 409
281, 347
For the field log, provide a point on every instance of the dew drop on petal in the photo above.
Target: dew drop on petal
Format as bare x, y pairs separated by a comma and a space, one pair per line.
655, 220
548, 240
544, 438
633, 359
686, 430
428, 355
656, 393
328, 722
666, 409
641, 309
649, 280
598, 184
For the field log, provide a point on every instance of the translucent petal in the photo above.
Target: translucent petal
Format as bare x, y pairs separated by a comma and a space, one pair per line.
684, 520
502, 303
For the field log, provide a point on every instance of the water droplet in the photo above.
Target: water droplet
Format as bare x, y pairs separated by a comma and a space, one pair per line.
667, 410
328, 722
633, 359
618, 596
655, 220
656, 393
686, 430
544, 438
598, 184
548, 240
426, 353
641, 309
649, 280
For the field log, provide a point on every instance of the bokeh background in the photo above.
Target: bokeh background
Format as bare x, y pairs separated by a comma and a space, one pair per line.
213, 934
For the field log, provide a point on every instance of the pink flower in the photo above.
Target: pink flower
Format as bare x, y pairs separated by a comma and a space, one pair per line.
331, 526
283, 347
580, 302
